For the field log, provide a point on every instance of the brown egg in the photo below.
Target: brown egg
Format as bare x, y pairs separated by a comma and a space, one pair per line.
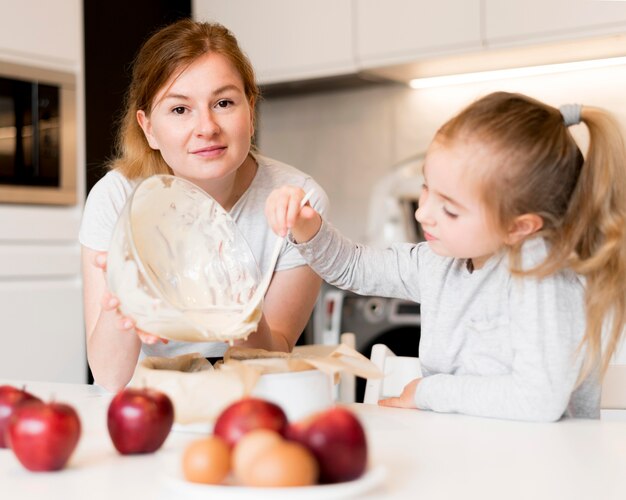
206, 460
281, 464
252, 445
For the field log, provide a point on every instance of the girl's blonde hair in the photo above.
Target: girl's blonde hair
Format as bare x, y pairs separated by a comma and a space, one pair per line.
538, 168
166, 52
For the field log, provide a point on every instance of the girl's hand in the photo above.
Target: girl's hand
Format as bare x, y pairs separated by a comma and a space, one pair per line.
404, 400
284, 214
111, 303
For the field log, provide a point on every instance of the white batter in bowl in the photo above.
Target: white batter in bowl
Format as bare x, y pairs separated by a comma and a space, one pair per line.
179, 265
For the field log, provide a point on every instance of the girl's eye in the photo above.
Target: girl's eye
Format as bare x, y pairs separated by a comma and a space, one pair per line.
449, 214
179, 110
424, 187
224, 103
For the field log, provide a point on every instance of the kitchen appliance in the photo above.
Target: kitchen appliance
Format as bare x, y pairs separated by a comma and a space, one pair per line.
393, 203
378, 320
37, 135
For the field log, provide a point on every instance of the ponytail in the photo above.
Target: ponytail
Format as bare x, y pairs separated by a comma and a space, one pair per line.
593, 236
591, 239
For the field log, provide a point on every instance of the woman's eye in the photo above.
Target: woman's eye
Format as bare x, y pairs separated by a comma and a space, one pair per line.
179, 110
224, 103
449, 214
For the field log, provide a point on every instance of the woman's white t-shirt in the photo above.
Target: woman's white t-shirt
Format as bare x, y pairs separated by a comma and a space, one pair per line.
109, 195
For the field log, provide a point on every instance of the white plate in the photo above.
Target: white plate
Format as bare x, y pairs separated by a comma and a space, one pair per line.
367, 482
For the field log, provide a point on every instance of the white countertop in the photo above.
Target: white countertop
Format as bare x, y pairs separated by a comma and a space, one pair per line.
426, 455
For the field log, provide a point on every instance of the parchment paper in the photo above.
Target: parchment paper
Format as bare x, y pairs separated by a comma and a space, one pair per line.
200, 391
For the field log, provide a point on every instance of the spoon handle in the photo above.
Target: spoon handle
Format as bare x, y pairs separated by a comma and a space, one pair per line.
278, 247
259, 293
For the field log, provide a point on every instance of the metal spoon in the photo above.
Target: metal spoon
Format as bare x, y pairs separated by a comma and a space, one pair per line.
259, 293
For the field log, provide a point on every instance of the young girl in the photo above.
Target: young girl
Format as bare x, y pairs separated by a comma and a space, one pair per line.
190, 113
522, 278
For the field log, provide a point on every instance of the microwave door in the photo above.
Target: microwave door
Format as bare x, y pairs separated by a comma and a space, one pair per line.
17, 131
29, 133
48, 136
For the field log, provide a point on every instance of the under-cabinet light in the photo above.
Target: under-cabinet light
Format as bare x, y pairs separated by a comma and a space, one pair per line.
499, 74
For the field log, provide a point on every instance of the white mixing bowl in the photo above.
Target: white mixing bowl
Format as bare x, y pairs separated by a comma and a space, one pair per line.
179, 265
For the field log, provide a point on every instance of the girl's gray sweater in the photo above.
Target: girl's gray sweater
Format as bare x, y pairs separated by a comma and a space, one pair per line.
491, 344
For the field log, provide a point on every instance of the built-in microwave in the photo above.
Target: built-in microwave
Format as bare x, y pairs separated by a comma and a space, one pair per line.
37, 135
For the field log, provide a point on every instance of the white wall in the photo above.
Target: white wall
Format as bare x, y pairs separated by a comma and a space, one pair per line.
40, 290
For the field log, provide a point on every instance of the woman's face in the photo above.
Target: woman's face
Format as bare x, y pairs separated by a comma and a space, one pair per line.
451, 212
201, 121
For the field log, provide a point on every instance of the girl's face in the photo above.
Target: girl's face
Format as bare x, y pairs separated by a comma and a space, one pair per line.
201, 121
450, 211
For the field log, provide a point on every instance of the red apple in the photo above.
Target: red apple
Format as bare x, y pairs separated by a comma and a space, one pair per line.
139, 420
337, 439
247, 415
43, 435
10, 398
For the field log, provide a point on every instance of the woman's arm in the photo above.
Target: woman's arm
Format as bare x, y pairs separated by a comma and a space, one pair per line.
112, 346
287, 307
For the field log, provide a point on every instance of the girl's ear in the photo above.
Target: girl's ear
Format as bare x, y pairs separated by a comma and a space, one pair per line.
522, 226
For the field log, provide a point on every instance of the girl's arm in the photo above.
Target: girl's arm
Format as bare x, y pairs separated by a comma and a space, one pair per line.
390, 272
544, 330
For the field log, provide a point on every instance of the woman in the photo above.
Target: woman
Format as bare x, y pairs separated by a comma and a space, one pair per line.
190, 113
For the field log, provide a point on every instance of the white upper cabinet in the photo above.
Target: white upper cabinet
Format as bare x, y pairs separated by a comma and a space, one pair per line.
516, 22
288, 40
42, 32
397, 31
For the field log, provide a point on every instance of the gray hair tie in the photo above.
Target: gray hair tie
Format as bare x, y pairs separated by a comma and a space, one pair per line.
571, 114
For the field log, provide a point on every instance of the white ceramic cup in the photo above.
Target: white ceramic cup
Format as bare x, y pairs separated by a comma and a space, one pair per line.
299, 394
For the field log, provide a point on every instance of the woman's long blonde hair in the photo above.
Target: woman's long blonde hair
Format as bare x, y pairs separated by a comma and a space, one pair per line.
166, 52
538, 168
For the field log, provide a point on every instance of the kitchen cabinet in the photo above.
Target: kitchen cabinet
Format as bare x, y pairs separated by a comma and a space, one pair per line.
37, 31
515, 22
42, 329
397, 31
291, 40
398, 37
288, 40
41, 295
41, 313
